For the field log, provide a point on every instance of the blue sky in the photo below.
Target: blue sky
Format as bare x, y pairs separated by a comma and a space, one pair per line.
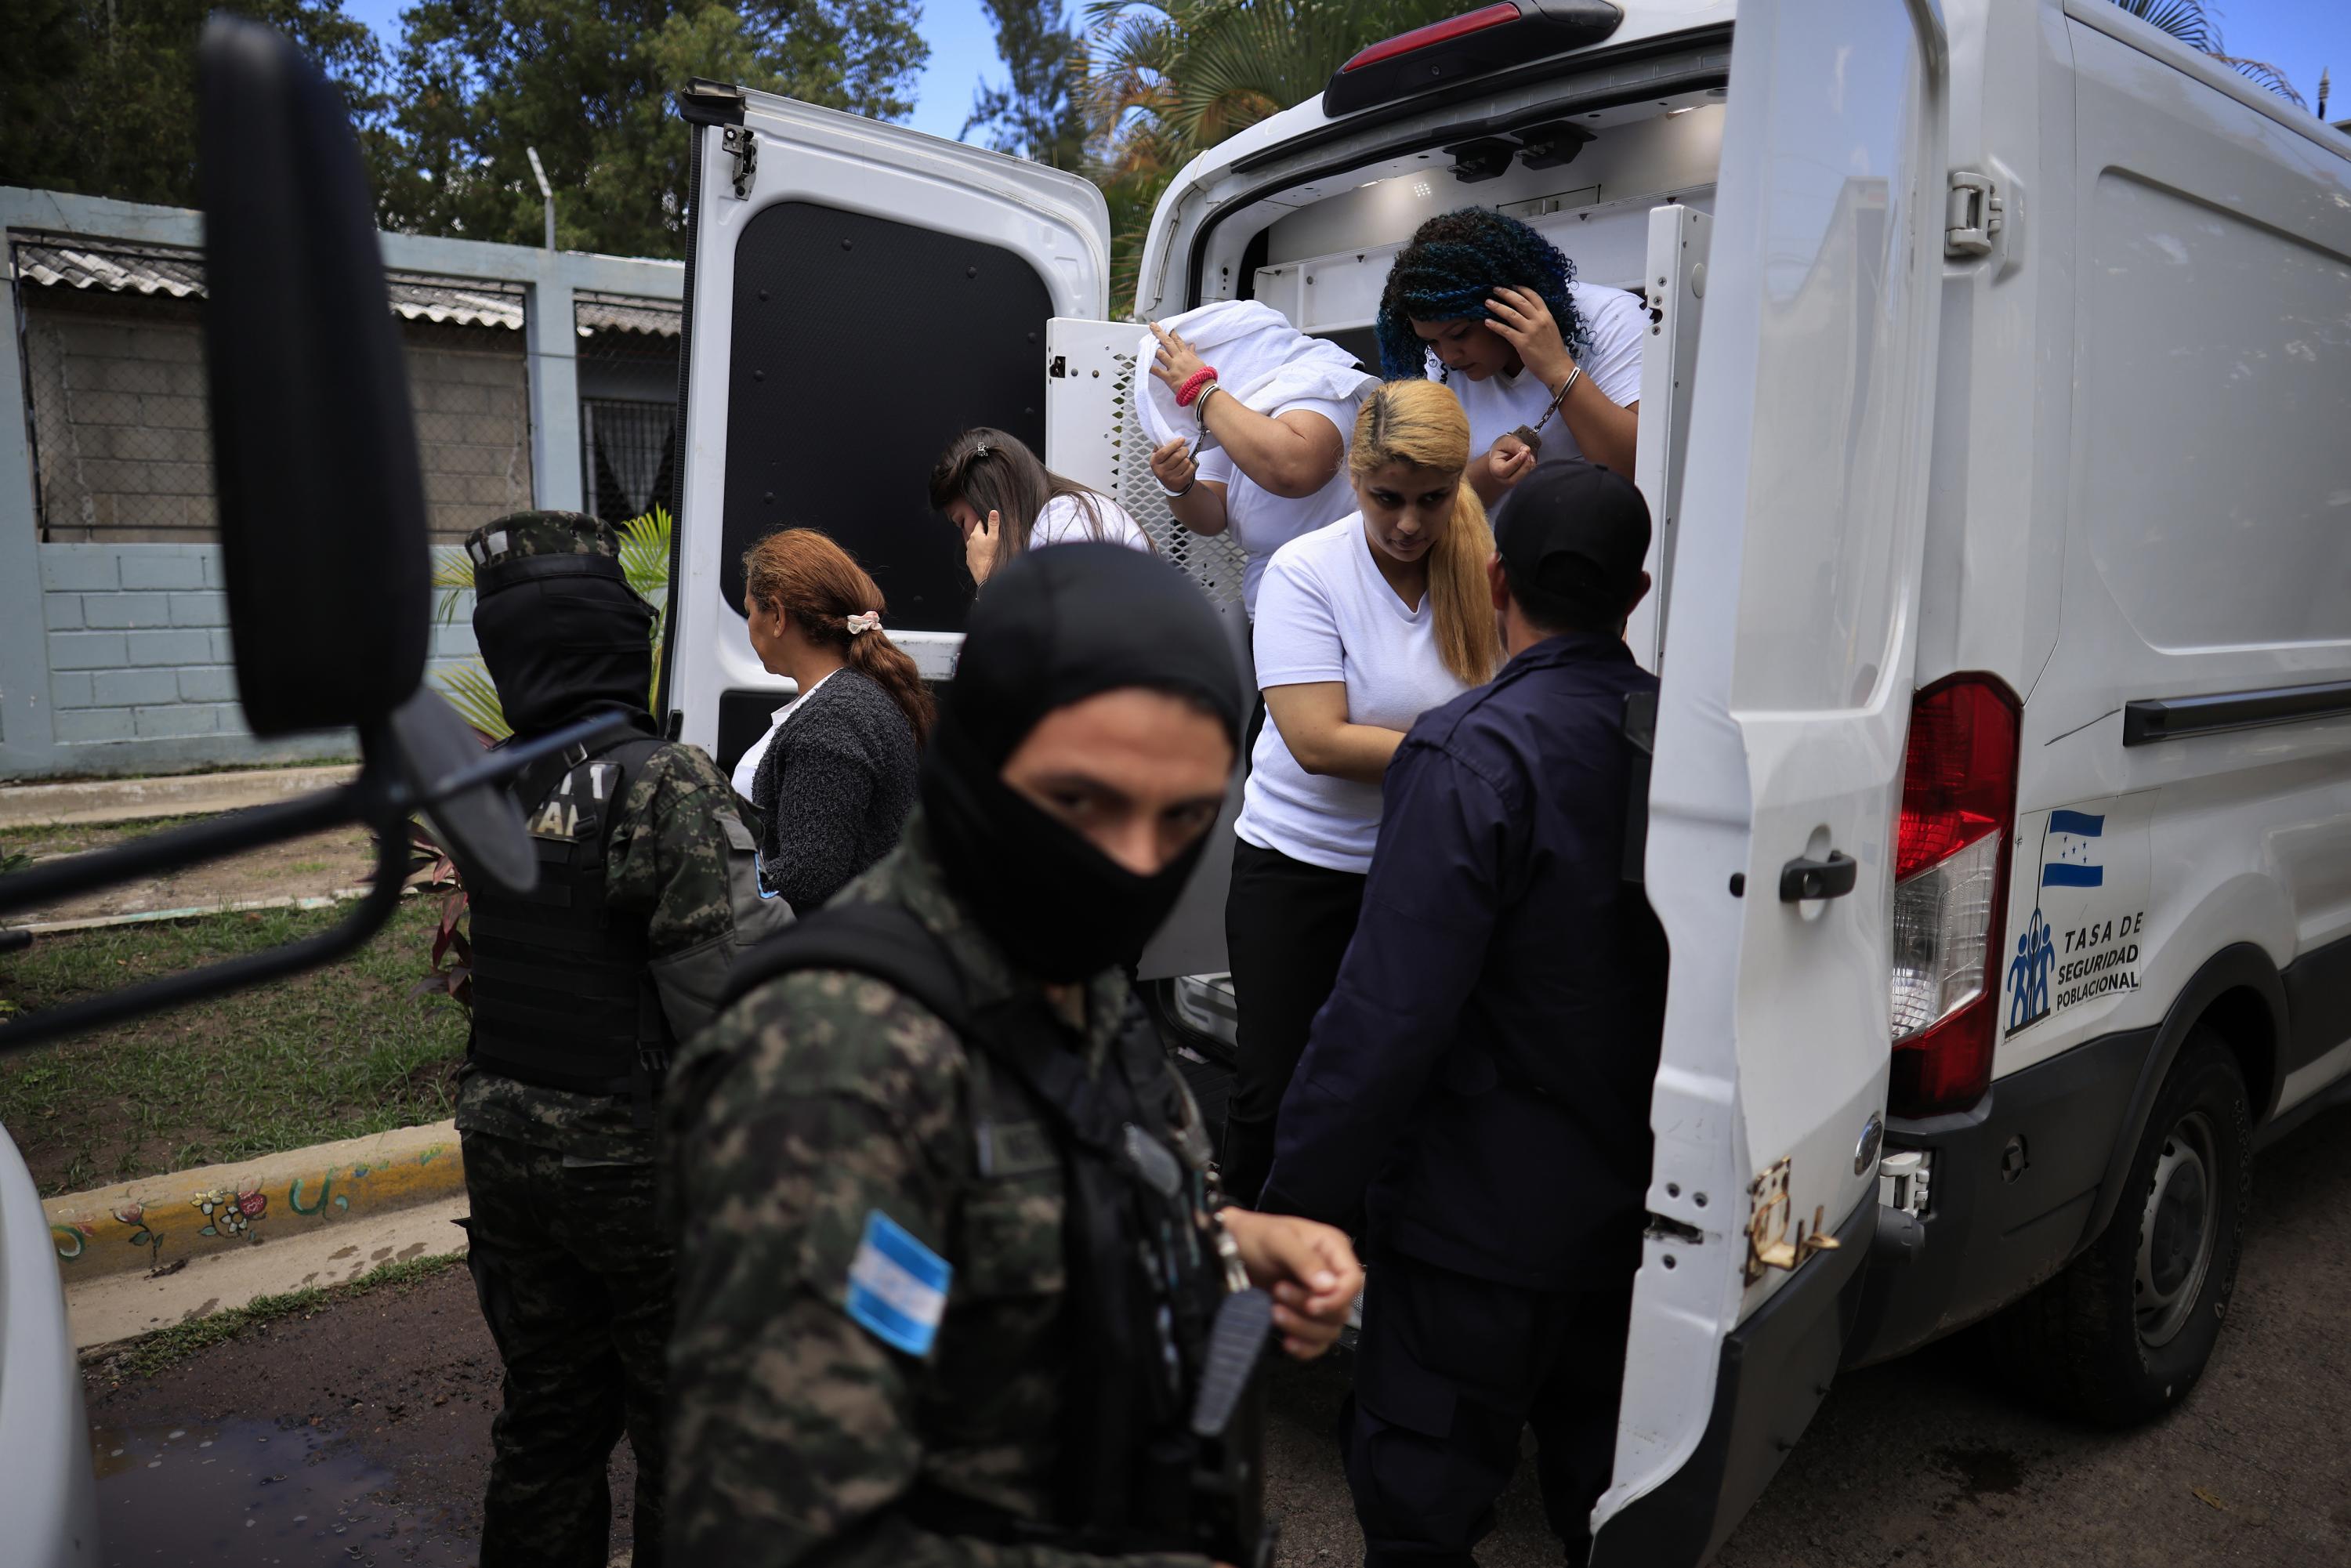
2297, 35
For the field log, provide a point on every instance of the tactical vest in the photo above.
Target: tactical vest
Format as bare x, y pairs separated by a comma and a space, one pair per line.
563, 997
1163, 1428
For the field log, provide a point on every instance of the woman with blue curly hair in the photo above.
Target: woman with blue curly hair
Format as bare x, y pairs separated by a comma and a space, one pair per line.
1546, 365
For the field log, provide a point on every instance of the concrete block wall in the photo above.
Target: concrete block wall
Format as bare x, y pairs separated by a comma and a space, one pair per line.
142, 673
118, 403
124, 442
471, 390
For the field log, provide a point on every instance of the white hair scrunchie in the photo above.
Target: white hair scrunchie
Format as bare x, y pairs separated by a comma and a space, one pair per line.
864, 620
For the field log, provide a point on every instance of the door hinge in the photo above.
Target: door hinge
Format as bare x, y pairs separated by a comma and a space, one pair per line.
1768, 1244
742, 145
1973, 214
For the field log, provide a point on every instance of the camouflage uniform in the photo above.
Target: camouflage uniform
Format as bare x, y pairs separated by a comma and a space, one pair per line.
572, 1266
819, 1099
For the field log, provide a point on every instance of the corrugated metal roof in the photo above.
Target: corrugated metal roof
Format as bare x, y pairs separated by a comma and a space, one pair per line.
63, 262
597, 313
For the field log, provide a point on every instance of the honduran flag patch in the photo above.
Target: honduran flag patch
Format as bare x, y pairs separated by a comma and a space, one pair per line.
897, 1286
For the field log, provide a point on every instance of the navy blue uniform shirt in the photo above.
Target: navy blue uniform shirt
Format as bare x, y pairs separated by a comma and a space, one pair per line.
1480, 1076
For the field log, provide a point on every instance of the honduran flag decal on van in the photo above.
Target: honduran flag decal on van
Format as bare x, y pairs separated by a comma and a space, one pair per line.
2071, 842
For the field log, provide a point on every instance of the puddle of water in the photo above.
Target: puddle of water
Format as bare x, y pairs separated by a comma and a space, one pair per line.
249, 1493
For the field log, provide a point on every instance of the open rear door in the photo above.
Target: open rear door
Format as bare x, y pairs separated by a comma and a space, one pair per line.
1787, 681
1679, 237
856, 294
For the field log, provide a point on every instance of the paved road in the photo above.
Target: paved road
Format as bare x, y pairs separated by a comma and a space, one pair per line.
358, 1435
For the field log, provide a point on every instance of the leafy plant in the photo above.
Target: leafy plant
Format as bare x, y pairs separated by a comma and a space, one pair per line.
430, 867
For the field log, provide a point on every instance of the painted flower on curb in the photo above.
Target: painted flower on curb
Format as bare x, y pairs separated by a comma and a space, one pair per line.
230, 1213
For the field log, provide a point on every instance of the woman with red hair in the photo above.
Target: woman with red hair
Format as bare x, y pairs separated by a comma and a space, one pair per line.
833, 777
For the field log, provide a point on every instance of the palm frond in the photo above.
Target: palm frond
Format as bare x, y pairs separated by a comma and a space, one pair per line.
453, 574
2264, 74
472, 693
644, 561
2186, 20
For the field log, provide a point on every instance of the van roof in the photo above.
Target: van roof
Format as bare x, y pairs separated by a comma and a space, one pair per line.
1644, 20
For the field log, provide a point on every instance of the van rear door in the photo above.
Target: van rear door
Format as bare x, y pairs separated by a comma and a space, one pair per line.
1788, 684
857, 294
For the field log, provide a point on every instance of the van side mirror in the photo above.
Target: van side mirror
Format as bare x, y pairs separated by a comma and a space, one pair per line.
314, 454
322, 529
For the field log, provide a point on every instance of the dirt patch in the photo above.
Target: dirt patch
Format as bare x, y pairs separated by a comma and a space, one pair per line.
358, 1434
309, 867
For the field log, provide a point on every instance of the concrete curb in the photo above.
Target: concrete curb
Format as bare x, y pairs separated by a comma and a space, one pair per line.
168, 1221
192, 912
114, 1307
179, 795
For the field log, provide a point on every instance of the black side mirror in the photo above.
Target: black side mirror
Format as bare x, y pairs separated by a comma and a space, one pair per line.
322, 526
313, 455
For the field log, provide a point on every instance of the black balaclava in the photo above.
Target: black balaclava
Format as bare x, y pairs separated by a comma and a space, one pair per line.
561, 629
1054, 627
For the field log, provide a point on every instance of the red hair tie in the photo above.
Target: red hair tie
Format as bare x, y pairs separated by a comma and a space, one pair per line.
1190, 390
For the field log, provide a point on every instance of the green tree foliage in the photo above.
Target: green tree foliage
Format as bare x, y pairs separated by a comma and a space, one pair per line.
100, 96
1035, 114
587, 82
1168, 79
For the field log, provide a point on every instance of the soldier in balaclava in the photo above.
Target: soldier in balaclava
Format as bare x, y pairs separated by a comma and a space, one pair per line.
583, 990
952, 1251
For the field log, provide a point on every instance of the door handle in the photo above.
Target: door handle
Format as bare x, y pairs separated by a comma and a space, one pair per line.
1801, 880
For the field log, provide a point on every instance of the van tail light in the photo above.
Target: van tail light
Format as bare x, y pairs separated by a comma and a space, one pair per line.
1433, 34
1950, 892
1500, 36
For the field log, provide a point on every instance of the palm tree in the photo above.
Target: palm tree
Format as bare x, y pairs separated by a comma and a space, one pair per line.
2199, 27
1164, 79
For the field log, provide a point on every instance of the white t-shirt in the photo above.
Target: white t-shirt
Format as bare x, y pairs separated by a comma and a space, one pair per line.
1262, 522
747, 768
1062, 521
1327, 614
1498, 405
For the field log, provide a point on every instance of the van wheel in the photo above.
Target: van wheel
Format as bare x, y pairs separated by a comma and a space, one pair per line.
2125, 1332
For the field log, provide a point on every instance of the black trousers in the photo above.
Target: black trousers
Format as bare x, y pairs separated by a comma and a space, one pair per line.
1448, 1372
1287, 927
575, 1273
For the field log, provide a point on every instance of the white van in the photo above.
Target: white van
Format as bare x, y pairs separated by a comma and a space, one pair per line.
1997, 414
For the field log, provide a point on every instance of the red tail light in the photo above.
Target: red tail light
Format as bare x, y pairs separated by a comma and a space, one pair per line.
1950, 890
1436, 33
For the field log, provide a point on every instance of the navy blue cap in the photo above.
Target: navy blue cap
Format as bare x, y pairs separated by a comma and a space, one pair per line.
1576, 534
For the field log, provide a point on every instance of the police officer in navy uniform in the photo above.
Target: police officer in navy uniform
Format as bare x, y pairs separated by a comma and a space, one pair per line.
581, 990
1481, 1077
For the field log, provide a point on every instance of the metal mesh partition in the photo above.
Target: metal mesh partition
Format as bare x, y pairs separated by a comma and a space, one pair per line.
1215, 561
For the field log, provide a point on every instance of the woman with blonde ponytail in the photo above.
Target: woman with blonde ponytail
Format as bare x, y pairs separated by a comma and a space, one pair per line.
833, 777
1362, 626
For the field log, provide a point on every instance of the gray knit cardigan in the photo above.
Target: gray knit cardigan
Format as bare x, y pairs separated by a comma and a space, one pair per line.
833, 789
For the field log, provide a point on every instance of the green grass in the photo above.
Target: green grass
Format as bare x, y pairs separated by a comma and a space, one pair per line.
69, 837
167, 1347
332, 1053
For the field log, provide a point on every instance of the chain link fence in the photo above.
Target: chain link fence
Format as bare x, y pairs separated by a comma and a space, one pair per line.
121, 433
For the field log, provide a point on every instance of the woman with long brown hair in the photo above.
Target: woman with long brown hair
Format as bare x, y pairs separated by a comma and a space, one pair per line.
1362, 626
833, 777
1003, 501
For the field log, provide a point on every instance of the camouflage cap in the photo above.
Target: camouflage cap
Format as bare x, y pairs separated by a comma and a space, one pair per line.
519, 534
